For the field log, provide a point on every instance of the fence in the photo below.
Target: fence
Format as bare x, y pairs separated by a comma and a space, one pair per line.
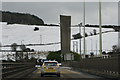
16, 70
106, 67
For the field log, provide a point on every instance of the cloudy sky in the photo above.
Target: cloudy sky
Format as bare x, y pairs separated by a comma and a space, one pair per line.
50, 11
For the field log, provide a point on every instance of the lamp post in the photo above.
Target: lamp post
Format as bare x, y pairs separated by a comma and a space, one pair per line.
84, 45
100, 28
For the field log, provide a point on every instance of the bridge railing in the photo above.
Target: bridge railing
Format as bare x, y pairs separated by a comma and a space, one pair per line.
16, 70
106, 67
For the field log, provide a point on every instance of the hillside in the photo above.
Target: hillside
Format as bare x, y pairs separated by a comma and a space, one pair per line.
25, 33
20, 18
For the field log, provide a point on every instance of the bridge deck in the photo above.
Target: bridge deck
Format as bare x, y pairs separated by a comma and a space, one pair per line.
65, 73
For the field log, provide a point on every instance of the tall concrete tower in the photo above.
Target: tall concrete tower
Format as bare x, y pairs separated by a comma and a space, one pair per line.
65, 29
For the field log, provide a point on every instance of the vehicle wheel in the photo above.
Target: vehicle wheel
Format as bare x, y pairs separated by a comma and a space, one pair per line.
42, 75
58, 75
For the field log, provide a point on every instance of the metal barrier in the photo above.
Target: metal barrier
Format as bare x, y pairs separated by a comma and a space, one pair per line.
106, 67
12, 70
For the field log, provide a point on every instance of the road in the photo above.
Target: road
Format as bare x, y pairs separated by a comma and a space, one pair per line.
65, 73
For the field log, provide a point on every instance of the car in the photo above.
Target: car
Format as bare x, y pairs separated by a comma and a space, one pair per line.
37, 66
50, 68
60, 64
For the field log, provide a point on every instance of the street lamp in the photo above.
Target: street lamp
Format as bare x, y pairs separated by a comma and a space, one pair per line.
100, 28
84, 28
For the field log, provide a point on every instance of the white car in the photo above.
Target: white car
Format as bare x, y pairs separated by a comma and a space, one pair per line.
50, 68
37, 66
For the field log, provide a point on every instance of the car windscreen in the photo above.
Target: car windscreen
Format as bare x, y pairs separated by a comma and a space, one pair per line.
50, 63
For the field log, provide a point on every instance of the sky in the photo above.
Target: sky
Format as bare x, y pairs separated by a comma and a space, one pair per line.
50, 11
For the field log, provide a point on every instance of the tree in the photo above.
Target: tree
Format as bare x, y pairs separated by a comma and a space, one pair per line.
54, 56
14, 46
92, 54
86, 35
32, 50
104, 53
28, 49
57, 56
115, 48
20, 18
91, 34
76, 56
23, 47
94, 32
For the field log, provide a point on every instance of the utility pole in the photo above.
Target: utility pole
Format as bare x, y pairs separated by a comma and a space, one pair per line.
100, 28
84, 28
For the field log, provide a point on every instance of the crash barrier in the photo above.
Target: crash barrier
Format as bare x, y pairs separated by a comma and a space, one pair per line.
16, 70
106, 67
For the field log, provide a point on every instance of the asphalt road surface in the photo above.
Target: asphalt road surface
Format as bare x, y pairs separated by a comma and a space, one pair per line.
65, 73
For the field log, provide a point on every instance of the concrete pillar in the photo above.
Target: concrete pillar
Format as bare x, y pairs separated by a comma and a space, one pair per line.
65, 29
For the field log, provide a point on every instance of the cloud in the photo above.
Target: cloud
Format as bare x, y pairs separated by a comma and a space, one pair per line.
50, 11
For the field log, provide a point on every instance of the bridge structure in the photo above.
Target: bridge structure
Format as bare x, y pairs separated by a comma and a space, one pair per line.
93, 67
86, 68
